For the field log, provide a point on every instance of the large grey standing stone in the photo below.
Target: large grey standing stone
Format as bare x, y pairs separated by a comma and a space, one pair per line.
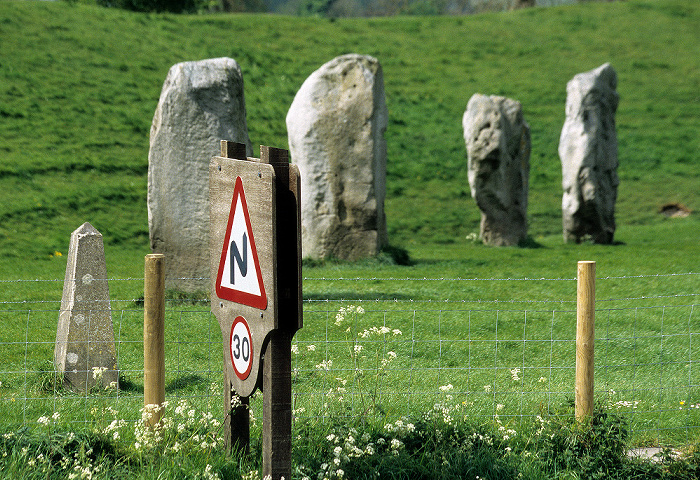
336, 127
201, 104
498, 152
85, 337
588, 152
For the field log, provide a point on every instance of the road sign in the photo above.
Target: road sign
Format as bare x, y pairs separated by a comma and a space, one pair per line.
239, 278
242, 237
241, 348
255, 244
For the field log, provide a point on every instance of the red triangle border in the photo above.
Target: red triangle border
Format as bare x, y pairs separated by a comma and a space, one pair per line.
225, 293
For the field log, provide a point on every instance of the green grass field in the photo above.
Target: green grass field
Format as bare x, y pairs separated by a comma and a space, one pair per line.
78, 88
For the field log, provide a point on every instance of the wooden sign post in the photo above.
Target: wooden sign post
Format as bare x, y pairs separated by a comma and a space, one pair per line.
255, 244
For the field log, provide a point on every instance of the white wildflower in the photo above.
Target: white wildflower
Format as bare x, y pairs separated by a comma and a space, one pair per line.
515, 374
325, 365
98, 372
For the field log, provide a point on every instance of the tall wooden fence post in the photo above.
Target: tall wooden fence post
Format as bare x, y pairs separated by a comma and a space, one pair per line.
154, 334
585, 337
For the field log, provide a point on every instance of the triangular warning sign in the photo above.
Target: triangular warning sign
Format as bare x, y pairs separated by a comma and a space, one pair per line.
239, 278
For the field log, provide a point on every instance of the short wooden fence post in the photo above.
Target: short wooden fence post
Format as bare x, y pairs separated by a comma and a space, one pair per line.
585, 338
154, 335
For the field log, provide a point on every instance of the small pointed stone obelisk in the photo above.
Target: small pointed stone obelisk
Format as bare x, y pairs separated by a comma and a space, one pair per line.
84, 353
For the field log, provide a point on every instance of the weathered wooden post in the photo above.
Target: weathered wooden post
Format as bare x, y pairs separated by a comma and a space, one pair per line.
277, 374
154, 335
256, 289
585, 338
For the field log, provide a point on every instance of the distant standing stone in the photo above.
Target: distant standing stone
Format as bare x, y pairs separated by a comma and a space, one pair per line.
85, 336
201, 104
336, 130
498, 152
588, 152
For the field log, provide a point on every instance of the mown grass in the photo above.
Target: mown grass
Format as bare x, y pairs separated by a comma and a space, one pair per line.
78, 88
80, 85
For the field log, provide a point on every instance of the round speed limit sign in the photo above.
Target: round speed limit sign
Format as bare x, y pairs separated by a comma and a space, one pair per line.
241, 348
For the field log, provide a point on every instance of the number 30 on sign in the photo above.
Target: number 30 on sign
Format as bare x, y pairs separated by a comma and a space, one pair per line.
241, 348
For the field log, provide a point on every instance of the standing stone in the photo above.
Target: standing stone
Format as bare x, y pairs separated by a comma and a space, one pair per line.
588, 152
498, 151
201, 104
85, 337
336, 130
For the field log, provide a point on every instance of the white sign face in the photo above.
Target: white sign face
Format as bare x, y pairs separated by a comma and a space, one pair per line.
241, 348
239, 276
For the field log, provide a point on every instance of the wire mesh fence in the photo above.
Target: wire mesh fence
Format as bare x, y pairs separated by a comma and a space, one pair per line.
390, 345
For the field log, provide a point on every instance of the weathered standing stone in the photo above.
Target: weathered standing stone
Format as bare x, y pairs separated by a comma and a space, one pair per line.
498, 151
85, 337
201, 104
588, 152
336, 130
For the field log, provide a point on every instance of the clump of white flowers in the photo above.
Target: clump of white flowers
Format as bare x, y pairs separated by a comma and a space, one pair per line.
344, 447
344, 312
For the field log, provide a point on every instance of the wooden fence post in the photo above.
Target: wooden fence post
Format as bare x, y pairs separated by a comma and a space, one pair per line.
585, 337
154, 334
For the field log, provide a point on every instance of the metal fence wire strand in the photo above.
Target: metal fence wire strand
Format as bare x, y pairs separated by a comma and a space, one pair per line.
510, 358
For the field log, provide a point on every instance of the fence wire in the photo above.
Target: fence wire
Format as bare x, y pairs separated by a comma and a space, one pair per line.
511, 358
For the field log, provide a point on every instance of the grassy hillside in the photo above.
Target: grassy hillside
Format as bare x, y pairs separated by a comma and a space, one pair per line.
79, 85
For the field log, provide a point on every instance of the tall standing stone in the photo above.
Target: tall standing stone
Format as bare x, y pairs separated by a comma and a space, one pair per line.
201, 104
588, 152
498, 151
85, 337
336, 130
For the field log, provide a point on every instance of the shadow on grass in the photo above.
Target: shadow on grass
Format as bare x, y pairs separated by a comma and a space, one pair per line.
184, 382
350, 295
128, 386
530, 242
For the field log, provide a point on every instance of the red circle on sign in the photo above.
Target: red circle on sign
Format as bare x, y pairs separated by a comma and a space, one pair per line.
241, 348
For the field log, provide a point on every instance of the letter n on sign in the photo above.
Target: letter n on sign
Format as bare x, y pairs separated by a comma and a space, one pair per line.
239, 278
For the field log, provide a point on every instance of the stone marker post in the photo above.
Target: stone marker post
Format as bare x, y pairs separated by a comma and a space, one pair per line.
588, 152
201, 103
84, 353
498, 151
